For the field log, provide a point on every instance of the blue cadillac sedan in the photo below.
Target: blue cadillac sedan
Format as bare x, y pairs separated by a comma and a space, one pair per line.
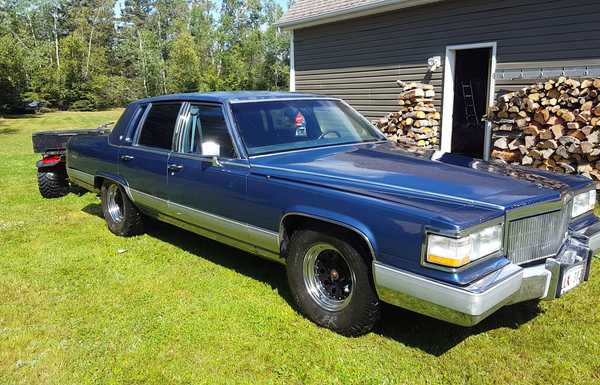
307, 181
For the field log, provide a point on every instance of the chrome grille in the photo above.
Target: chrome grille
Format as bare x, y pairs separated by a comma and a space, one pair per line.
537, 237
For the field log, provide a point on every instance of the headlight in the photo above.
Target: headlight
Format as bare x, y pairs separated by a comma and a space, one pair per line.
584, 202
457, 252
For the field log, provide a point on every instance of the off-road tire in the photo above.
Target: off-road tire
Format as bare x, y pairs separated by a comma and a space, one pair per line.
53, 184
132, 219
363, 311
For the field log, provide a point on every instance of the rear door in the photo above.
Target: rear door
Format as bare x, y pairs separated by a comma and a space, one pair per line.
144, 163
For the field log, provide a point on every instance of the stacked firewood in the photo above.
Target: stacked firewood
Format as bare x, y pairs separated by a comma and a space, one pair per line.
416, 124
554, 125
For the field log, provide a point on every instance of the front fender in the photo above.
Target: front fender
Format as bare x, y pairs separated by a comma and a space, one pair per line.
336, 218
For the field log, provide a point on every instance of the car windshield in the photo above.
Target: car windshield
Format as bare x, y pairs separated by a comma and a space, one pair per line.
285, 125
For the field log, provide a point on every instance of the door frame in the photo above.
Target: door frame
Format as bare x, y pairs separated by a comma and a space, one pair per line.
292, 63
448, 88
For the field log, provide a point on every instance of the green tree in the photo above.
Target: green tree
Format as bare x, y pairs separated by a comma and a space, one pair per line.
75, 84
81, 54
184, 65
13, 79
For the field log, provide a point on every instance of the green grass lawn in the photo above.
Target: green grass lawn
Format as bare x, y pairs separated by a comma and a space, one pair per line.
79, 305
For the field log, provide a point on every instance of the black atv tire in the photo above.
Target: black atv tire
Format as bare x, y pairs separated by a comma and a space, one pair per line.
53, 184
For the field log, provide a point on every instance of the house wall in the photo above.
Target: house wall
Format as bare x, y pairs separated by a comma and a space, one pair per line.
360, 59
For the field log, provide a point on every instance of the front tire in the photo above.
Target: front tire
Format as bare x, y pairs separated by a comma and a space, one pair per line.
121, 215
331, 282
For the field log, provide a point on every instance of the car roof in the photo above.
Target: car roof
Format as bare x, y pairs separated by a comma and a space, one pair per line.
230, 97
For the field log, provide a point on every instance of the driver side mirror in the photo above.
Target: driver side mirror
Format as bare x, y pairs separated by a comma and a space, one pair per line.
213, 150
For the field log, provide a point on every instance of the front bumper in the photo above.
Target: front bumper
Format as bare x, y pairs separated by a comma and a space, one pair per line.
469, 305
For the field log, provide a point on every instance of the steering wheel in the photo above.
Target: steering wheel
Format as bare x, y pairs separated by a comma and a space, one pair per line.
323, 135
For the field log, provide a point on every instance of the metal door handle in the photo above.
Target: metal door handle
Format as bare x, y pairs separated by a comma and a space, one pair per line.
175, 167
127, 158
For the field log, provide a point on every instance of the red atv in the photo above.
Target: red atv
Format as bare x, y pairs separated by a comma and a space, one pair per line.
53, 180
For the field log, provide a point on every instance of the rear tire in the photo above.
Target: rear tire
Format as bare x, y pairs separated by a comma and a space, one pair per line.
53, 184
331, 282
121, 215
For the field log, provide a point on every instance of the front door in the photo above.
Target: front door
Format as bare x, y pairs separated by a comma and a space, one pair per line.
206, 179
144, 164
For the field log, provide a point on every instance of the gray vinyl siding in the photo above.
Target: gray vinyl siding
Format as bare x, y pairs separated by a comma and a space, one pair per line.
549, 69
372, 91
361, 59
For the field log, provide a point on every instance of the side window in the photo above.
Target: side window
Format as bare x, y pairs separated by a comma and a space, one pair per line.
206, 133
157, 130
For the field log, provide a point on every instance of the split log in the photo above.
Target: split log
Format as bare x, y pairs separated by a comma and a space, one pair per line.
554, 125
416, 124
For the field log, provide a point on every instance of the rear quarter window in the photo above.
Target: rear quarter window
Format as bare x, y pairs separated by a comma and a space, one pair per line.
117, 135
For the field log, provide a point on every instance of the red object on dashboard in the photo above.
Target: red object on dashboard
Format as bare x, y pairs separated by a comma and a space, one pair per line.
299, 119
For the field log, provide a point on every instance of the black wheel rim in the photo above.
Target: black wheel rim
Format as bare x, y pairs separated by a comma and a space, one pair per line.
327, 276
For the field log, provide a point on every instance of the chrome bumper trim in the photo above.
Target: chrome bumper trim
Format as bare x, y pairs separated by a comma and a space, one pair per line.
591, 235
463, 306
469, 305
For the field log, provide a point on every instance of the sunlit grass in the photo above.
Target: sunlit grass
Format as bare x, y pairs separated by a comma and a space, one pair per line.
80, 306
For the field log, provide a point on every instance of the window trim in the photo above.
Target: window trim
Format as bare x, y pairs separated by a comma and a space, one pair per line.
178, 147
137, 127
238, 142
142, 121
133, 126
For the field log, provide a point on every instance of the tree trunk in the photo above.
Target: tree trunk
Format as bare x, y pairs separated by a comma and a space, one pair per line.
163, 74
143, 59
30, 23
89, 51
55, 33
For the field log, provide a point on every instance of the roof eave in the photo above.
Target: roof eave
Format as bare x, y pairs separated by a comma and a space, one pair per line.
366, 10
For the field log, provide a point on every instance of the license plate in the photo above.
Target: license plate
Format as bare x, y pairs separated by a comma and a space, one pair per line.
571, 278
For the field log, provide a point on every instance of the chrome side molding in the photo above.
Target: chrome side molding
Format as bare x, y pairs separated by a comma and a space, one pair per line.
81, 178
237, 234
243, 236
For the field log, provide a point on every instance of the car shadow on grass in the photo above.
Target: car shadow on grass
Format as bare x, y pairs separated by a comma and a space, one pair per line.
437, 337
411, 329
244, 263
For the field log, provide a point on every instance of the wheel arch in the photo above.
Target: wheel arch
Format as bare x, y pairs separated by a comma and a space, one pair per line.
294, 220
101, 177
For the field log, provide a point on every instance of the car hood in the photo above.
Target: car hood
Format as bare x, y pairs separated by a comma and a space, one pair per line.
387, 171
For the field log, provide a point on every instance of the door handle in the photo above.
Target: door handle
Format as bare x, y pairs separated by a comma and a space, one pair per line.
127, 158
175, 167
